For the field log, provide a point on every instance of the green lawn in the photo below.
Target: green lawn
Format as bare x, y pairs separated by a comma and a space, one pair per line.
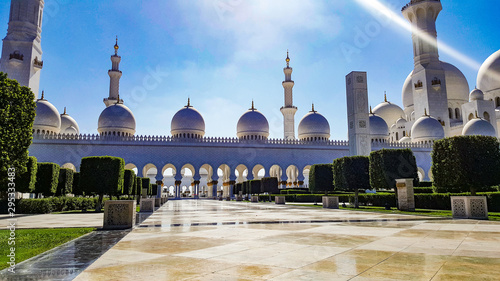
137, 208
492, 216
32, 242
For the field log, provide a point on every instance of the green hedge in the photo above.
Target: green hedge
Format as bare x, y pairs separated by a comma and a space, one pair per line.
138, 186
293, 191
425, 184
65, 183
269, 185
55, 204
102, 175
77, 190
146, 184
387, 165
154, 189
47, 177
129, 182
418, 190
25, 182
321, 178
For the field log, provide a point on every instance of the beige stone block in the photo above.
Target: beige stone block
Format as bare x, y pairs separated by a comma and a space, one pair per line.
406, 198
147, 205
279, 200
330, 202
469, 207
255, 199
119, 214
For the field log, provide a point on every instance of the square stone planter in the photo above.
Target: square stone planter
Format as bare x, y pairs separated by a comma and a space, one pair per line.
406, 198
144, 193
254, 199
330, 202
239, 198
279, 200
158, 202
147, 205
469, 207
119, 214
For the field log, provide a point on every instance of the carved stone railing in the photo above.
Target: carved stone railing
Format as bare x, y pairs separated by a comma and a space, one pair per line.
412, 2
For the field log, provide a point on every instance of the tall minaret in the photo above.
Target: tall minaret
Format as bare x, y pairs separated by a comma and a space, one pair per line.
428, 79
288, 110
22, 50
114, 75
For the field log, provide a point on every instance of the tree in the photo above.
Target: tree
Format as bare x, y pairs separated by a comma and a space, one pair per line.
17, 114
387, 165
466, 163
146, 185
321, 178
154, 189
47, 178
65, 183
270, 185
25, 182
352, 174
102, 175
129, 182
76, 188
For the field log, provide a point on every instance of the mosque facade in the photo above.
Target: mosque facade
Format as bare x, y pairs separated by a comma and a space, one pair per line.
435, 96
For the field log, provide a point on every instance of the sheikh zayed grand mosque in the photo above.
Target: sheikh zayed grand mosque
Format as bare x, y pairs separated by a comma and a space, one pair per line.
435, 98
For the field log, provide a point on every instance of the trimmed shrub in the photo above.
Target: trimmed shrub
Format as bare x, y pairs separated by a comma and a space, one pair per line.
47, 177
76, 189
351, 174
269, 185
425, 184
25, 182
321, 178
65, 183
387, 165
129, 182
138, 186
466, 163
102, 175
420, 190
237, 188
154, 189
254, 186
146, 184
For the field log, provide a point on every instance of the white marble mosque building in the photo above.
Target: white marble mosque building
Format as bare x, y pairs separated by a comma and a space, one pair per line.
435, 96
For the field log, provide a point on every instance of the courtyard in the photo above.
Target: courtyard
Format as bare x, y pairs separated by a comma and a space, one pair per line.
213, 240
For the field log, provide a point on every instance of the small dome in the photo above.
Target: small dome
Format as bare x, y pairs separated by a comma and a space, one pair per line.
314, 126
116, 120
457, 87
407, 95
47, 118
253, 125
378, 127
488, 77
479, 126
427, 128
389, 112
401, 123
476, 94
188, 123
69, 125
405, 140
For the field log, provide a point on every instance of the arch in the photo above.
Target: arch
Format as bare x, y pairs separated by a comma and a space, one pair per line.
421, 174
169, 169
458, 114
276, 172
150, 171
292, 173
258, 171
486, 116
206, 171
188, 170
497, 101
305, 173
133, 167
241, 173
69, 166
470, 116
450, 113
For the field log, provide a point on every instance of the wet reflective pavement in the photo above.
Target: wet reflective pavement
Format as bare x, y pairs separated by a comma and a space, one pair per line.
214, 240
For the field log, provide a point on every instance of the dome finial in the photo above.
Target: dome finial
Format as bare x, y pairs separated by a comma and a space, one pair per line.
385, 96
371, 112
189, 102
287, 59
313, 108
43, 94
253, 107
425, 112
116, 46
64, 110
118, 99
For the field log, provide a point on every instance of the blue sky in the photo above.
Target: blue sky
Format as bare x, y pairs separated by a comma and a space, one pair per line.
224, 53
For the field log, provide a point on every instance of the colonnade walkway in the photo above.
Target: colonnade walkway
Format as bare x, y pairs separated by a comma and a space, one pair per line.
219, 240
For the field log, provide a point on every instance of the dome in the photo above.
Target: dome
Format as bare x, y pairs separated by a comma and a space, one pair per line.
488, 77
314, 126
253, 125
69, 125
405, 140
116, 119
476, 94
389, 112
378, 127
457, 87
188, 123
407, 95
401, 123
426, 128
479, 126
47, 118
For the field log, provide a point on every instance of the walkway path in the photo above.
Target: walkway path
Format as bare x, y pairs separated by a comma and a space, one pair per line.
213, 240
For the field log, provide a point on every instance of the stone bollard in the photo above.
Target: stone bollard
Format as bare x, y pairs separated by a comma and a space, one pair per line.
119, 214
157, 202
147, 205
406, 198
239, 198
279, 200
254, 199
330, 202
469, 207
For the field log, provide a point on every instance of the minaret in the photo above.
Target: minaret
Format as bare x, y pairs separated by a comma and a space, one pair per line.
428, 79
288, 110
358, 117
22, 50
114, 75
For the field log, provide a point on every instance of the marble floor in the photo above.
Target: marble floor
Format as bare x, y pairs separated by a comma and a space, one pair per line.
219, 240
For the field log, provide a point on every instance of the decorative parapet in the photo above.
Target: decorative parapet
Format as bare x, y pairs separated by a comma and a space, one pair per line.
16, 55
380, 145
38, 63
413, 2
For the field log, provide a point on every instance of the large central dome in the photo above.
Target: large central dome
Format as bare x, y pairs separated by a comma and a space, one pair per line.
253, 125
116, 120
488, 78
188, 123
389, 112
